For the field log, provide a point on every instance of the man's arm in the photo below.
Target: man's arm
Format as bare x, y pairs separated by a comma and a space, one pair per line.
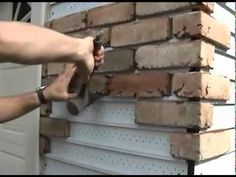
16, 106
25, 43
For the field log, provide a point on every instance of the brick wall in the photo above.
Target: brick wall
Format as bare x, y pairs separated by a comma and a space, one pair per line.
162, 54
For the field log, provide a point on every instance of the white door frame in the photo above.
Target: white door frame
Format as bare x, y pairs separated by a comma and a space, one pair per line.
38, 14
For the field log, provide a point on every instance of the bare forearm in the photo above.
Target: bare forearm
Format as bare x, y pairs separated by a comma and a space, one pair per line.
16, 106
28, 44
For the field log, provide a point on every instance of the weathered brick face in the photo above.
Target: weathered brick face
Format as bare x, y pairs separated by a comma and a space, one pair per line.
146, 84
183, 114
110, 14
147, 8
201, 85
141, 31
200, 24
177, 54
161, 53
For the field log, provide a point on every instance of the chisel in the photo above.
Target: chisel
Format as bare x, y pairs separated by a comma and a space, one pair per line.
85, 97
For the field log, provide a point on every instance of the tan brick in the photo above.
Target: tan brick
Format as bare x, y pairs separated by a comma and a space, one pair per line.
150, 8
110, 14
178, 54
117, 60
200, 24
199, 146
145, 84
50, 127
44, 145
98, 84
69, 23
182, 114
201, 85
93, 32
142, 31
55, 68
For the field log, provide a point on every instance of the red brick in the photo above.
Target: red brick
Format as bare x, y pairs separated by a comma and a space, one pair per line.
178, 54
45, 109
69, 23
110, 14
98, 84
199, 146
44, 145
50, 127
200, 24
141, 31
182, 114
201, 85
145, 84
117, 60
44, 70
150, 8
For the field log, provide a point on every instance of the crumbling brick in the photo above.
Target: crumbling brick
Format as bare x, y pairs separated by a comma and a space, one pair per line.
150, 8
182, 114
201, 85
199, 146
178, 54
200, 24
145, 84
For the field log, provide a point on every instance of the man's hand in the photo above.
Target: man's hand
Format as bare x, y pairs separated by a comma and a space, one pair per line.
87, 58
58, 89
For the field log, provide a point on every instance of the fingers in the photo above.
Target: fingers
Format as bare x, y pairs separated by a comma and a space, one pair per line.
99, 57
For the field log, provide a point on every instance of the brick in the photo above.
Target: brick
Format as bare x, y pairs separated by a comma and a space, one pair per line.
92, 32
111, 14
69, 23
48, 80
145, 84
98, 84
201, 85
177, 54
50, 127
141, 31
44, 145
150, 8
182, 114
44, 70
55, 68
200, 24
117, 60
199, 146
45, 109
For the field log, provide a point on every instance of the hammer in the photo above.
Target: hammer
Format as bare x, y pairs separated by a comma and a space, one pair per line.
71, 106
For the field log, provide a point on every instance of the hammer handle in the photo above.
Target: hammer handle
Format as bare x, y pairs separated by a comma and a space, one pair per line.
97, 43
